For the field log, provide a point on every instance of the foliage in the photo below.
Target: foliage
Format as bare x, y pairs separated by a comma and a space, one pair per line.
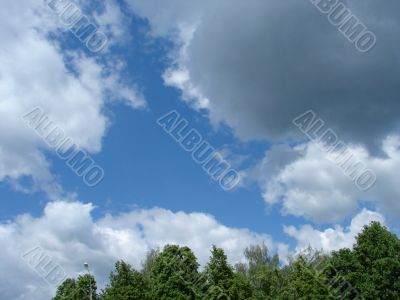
148, 263
372, 267
125, 284
79, 289
305, 282
173, 274
222, 281
66, 290
370, 270
263, 272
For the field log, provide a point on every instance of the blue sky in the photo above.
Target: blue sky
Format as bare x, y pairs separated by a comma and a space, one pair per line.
239, 74
137, 155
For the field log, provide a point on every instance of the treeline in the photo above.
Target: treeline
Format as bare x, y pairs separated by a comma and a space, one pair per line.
371, 270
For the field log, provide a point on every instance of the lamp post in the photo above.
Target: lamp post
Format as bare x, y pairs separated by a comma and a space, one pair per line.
90, 284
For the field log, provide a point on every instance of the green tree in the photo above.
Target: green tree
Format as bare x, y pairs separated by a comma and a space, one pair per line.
305, 282
174, 274
66, 291
86, 285
148, 263
263, 271
125, 284
241, 289
222, 282
373, 266
79, 289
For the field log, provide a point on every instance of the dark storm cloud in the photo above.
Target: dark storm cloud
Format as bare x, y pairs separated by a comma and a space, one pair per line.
262, 63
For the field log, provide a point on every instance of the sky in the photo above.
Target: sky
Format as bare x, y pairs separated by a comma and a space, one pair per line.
101, 130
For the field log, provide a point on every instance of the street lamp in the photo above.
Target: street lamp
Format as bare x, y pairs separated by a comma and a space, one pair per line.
90, 284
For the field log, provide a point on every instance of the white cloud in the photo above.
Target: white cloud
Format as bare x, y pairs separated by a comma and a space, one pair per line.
37, 72
69, 234
180, 78
113, 21
310, 185
332, 238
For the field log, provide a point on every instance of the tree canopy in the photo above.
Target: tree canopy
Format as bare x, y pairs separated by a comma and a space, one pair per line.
370, 270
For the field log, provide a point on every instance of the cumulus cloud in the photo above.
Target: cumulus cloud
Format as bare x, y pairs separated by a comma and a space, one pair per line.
309, 184
69, 235
262, 63
332, 238
71, 88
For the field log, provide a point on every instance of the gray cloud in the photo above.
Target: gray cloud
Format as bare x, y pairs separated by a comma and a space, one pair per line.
262, 63
256, 65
